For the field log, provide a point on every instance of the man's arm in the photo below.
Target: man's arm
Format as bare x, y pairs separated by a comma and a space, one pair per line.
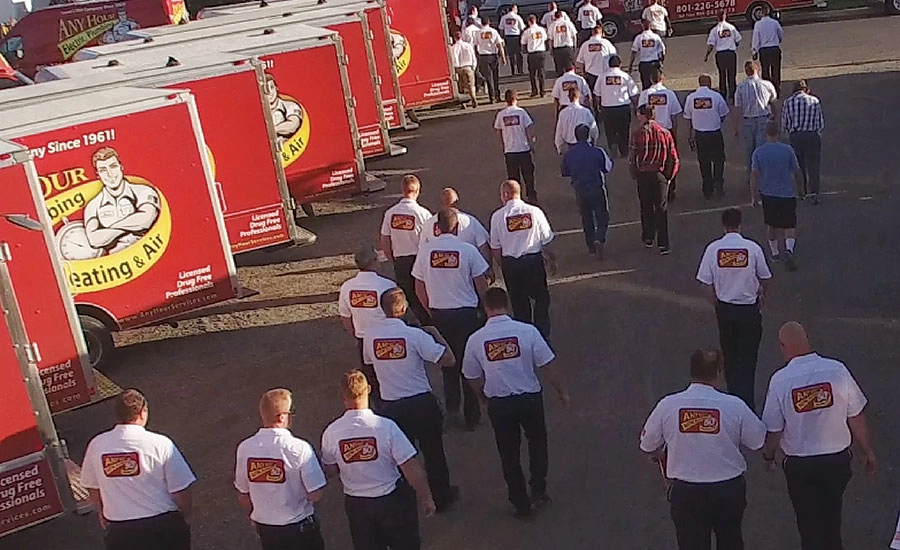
139, 220
184, 499
564, 169
551, 375
101, 237
97, 502
860, 430
710, 292
386, 247
422, 294
415, 476
754, 187
764, 286
347, 322
773, 440
709, 49
245, 502
448, 359
331, 470
481, 284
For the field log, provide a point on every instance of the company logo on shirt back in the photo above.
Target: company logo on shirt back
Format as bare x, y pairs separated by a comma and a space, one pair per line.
733, 257
444, 259
358, 449
121, 464
595, 47
519, 222
511, 120
537, 36
511, 21
367, 299
703, 103
725, 33
698, 421
265, 470
561, 29
403, 222
502, 348
569, 85
613, 80
648, 43
812, 398
486, 36
658, 99
389, 349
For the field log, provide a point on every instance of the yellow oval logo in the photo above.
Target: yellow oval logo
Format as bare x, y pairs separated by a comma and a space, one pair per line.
291, 123
401, 50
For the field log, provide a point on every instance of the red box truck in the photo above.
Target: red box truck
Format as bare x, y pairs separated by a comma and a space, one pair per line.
53, 35
129, 193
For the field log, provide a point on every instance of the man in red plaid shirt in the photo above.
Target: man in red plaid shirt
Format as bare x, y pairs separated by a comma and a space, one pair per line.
653, 162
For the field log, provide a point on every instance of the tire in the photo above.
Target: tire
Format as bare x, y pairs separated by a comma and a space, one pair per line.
892, 7
99, 341
308, 209
613, 28
754, 11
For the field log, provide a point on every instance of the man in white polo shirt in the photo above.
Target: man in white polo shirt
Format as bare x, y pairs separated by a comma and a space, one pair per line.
766, 46
563, 37
278, 478
707, 110
520, 239
465, 63
593, 59
697, 435
814, 411
514, 125
450, 278
500, 362
550, 15
724, 39
138, 482
658, 17
369, 452
468, 228
534, 45
401, 232
511, 26
398, 353
618, 93
649, 50
736, 277
570, 80
571, 117
589, 18
491, 53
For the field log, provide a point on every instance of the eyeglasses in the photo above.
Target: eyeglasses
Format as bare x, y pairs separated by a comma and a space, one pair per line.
291, 412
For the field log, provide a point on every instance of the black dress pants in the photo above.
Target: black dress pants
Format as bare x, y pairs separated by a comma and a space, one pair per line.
456, 325
816, 486
561, 57
740, 331
489, 67
726, 62
653, 194
520, 167
808, 148
303, 535
403, 275
379, 523
617, 124
536, 62
711, 156
770, 64
594, 212
514, 52
421, 420
701, 509
168, 531
526, 281
646, 68
510, 416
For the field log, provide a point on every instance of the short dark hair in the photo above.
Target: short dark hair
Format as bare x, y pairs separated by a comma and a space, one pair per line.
656, 75
447, 220
772, 129
615, 61
706, 364
568, 65
510, 95
732, 218
495, 299
393, 302
647, 110
582, 132
800, 85
129, 404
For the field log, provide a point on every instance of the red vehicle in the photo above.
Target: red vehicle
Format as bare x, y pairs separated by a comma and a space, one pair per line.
53, 35
697, 10
129, 195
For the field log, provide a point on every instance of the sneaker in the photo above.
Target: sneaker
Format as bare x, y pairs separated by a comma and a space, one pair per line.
451, 499
664, 250
541, 502
789, 262
648, 244
598, 246
776, 258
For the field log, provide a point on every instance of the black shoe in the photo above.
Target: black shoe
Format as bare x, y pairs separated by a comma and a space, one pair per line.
815, 199
789, 262
664, 250
451, 499
648, 244
522, 512
540, 502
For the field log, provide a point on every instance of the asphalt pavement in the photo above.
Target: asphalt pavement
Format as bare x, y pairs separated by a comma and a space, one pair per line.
623, 328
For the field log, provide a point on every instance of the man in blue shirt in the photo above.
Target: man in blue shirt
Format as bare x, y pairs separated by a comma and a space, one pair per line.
775, 177
587, 166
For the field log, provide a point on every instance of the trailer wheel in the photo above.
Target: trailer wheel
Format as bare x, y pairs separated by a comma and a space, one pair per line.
613, 28
892, 7
308, 209
755, 11
99, 341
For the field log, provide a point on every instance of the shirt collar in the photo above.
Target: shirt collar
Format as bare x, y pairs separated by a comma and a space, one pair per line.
408, 201
129, 429
703, 88
447, 236
274, 431
358, 413
658, 87
107, 198
732, 235
704, 388
803, 359
497, 319
368, 274
514, 202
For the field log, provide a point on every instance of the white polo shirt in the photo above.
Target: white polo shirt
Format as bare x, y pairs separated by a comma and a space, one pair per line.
648, 46
488, 41
594, 54
589, 16
534, 39
360, 299
810, 400
278, 470
468, 229
512, 123
895, 542
550, 17
136, 472
703, 430
724, 36
447, 266
767, 33
570, 117
470, 33
398, 353
665, 103
563, 33
511, 24
705, 108
569, 80
462, 54
519, 228
656, 14
615, 88
367, 449
403, 223
734, 266
506, 353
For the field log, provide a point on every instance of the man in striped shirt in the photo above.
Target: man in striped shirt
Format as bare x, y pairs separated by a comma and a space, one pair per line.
753, 107
802, 120
653, 162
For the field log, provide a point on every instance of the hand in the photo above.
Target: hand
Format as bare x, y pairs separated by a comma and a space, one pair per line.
755, 56
737, 131
428, 507
102, 520
870, 465
563, 397
770, 466
706, 58
489, 275
552, 267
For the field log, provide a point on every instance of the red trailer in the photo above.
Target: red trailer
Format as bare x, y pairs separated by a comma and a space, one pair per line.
128, 188
255, 199
53, 35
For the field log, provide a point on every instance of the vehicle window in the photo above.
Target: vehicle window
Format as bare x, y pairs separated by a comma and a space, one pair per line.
10, 46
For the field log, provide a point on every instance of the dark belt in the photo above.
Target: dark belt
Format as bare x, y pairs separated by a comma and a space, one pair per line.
416, 396
707, 483
756, 117
719, 131
524, 256
306, 524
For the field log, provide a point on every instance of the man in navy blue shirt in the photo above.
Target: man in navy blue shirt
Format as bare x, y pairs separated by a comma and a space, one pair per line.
587, 166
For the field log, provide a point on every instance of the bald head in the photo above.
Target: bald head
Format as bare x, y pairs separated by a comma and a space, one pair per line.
275, 408
793, 339
510, 189
449, 197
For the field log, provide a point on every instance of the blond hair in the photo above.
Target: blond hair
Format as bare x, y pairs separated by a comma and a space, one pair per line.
410, 184
273, 403
354, 385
